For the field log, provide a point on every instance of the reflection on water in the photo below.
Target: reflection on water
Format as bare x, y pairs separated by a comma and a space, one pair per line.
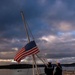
25, 71
18, 71
22, 72
5, 72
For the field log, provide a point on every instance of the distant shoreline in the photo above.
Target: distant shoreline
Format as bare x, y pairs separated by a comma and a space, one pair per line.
26, 66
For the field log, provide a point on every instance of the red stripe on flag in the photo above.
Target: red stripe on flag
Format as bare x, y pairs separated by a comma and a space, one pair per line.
25, 53
22, 53
23, 56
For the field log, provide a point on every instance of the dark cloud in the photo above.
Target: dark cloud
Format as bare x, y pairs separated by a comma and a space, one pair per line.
60, 55
52, 23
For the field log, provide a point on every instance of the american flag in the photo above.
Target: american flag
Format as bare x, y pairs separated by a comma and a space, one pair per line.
30, 49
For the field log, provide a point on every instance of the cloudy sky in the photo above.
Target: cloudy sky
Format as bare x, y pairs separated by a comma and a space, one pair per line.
52, 23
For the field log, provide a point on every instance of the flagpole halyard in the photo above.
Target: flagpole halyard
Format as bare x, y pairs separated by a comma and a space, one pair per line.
25, 26
29, 41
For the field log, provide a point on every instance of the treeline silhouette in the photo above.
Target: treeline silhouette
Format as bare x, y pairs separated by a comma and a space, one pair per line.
25, 66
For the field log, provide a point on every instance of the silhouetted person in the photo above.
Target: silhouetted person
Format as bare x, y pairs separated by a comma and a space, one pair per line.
49, 69
58, 69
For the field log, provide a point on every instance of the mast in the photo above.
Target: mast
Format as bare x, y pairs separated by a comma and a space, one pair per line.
34, 63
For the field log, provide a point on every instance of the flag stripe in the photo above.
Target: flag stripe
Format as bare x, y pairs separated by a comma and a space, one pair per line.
23, 56
18, 59
20, 51
23, 52
30, 49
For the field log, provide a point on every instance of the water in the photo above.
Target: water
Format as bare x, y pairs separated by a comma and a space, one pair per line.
69, 68
18, 71
25, 71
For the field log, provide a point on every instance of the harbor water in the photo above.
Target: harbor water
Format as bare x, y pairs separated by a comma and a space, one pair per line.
66, 71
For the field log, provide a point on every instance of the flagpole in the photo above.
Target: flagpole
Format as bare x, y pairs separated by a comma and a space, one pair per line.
33, 68
29, 41
25, 26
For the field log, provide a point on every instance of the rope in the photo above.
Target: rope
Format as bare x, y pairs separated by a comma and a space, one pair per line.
27, 28
26, 25
34, 39
30, 31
